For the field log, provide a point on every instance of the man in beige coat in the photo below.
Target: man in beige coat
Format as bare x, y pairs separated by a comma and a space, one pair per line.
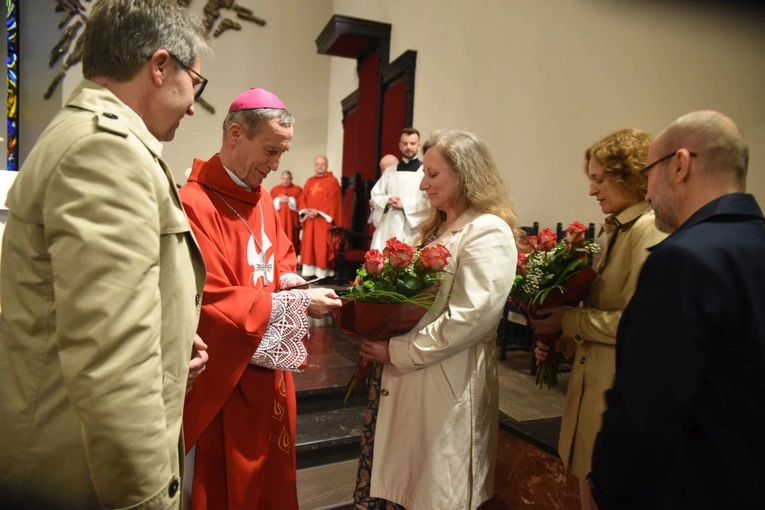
101, 278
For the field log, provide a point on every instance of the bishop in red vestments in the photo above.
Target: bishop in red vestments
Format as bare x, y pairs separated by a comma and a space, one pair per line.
239, 419
286, 196
319, 208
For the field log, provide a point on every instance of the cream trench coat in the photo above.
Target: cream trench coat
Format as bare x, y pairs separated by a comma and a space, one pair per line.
101, 285
437, 423
593, 330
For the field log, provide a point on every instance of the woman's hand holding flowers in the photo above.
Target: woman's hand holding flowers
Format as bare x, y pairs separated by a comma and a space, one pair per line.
375, 351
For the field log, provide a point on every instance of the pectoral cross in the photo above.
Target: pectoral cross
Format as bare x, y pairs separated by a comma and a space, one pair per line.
256, 257
265, 268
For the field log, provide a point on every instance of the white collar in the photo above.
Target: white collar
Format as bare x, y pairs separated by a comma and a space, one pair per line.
239, 182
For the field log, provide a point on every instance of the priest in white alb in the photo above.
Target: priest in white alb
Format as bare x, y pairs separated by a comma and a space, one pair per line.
399, 205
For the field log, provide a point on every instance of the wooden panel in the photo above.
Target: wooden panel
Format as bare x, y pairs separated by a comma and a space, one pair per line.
369, 107
394, 118
350, 132
397, 101
344, 36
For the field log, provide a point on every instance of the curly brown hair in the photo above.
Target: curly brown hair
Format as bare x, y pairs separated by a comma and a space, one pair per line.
623, 154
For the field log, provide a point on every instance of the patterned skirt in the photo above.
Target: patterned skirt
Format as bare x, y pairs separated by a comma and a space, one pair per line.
361, 498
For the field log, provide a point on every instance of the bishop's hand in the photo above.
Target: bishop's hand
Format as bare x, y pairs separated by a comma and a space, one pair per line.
323, 302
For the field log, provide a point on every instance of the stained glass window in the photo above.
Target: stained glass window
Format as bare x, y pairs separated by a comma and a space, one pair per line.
12, 35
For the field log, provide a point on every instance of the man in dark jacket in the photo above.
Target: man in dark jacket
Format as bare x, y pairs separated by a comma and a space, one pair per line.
686, 413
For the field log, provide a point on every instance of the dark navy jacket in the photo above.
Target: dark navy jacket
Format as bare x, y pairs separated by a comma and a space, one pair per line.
685, 422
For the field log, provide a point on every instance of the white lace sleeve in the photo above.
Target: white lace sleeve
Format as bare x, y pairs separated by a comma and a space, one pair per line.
282, 345
287, 278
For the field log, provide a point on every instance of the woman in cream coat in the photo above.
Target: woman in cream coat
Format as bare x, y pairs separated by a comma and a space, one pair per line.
436, 432
613, 165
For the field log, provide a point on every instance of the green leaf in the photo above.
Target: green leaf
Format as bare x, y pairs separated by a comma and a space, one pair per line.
547, 279
385, 286
411, 282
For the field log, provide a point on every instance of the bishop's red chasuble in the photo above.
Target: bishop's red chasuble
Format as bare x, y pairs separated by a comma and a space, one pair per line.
241, 417
322, 193
287, 211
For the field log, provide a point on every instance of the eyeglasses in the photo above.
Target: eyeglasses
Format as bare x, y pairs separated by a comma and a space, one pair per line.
200, 85
644, 171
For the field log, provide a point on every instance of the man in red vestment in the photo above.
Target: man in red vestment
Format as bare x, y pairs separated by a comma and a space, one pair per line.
286, 196
239, 420
319, 207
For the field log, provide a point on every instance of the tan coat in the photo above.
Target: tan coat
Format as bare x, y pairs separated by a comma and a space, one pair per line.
593, 329
101, 284
437, 424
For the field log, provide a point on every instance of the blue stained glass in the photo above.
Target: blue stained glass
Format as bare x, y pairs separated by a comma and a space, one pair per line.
12, 60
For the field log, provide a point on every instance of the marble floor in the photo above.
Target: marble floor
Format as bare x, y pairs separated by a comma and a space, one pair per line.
332, 357
520, 397
527, 411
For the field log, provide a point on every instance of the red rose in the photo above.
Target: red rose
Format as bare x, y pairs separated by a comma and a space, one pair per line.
547, 239
443, 251
576, 228
575, 234
433, 258
374, 262
399, 254
520, 266
530, 243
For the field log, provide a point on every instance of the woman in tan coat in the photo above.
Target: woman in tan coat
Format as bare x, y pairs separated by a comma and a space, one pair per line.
613, 165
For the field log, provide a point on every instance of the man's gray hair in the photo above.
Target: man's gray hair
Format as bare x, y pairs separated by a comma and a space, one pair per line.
121, 35
253, 120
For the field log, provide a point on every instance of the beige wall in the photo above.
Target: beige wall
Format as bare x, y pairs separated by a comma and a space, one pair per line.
342, 76
280, 57
539, 81
37, 36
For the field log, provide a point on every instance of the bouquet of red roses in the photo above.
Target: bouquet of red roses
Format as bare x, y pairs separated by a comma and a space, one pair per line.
553, 273
391, 293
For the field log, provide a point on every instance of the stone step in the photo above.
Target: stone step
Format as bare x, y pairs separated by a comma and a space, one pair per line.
315, 400
326, 437
327, 487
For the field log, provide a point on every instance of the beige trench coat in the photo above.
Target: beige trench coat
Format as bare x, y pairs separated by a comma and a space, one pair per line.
593, 330
101, 284
437, 424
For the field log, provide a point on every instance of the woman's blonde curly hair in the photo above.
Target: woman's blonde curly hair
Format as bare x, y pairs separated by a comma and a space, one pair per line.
623, 154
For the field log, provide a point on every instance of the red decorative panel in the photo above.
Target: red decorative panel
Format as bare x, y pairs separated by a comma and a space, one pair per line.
350, 137
347, 215
393, 117
369, 88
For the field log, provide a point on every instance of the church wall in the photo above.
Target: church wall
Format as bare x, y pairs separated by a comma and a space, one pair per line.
280, 57
540, 81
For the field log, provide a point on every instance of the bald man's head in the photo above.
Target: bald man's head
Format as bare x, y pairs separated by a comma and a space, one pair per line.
388, 160
320, 165
715, 138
